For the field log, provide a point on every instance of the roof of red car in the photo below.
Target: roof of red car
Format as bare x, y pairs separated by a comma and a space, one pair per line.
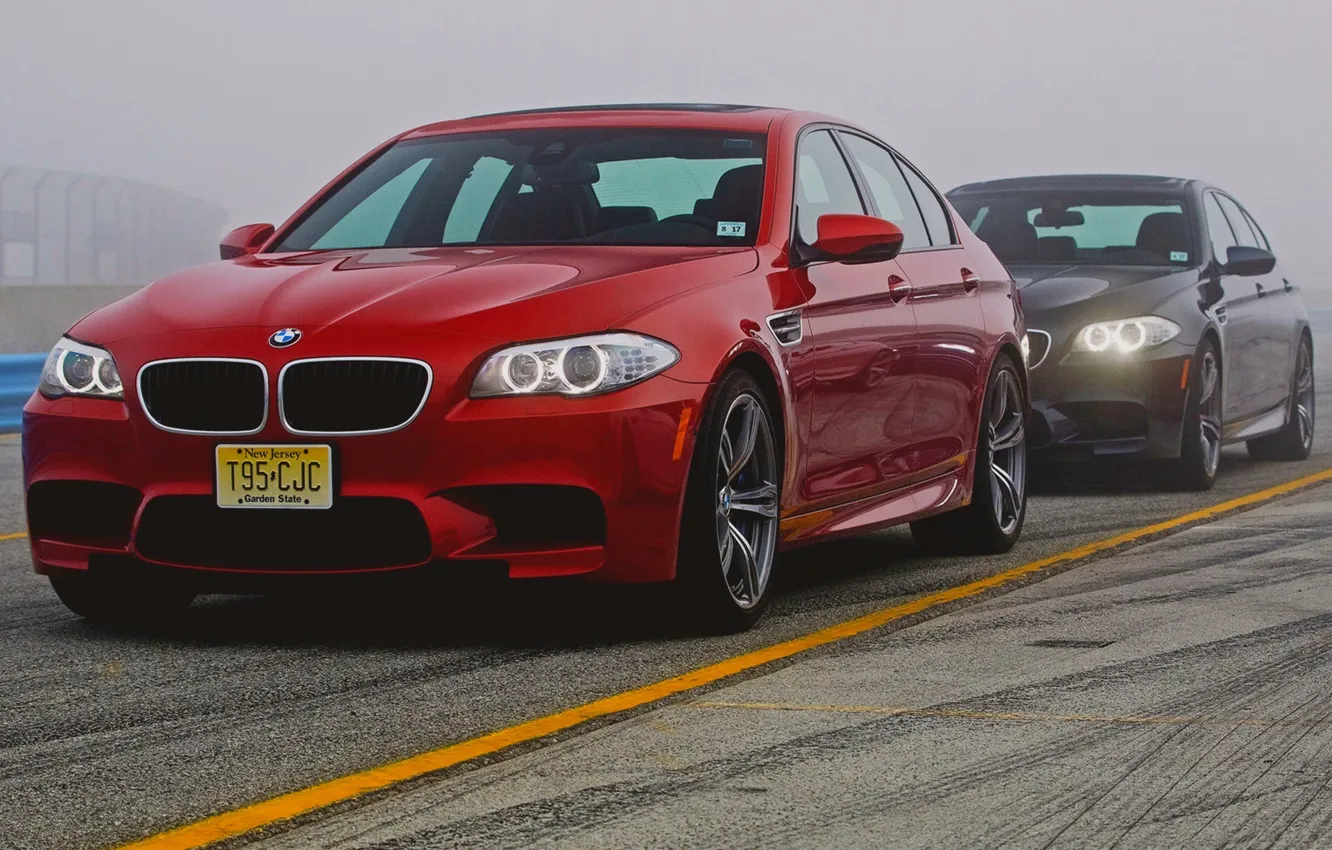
720, 116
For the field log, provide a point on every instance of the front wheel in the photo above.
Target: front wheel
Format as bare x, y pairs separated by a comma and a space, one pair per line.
729, 531
1200, 452
1295, 440
992, 522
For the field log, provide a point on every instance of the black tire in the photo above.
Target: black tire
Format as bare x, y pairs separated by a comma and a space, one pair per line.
1200, 446
712, 576
1295, 439
992, 522
128, 602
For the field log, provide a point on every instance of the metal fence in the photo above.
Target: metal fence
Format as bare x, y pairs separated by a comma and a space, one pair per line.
61, 227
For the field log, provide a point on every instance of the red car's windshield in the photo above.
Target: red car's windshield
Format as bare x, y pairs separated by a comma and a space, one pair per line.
548, 186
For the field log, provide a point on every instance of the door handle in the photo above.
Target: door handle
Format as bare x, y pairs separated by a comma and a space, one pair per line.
1262, 293
898, 289
970, 280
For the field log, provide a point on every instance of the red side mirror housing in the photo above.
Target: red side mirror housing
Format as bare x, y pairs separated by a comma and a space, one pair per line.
245, 240
857, 238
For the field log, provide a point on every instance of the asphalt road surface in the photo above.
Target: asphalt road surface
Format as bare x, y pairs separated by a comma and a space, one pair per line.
1205, 713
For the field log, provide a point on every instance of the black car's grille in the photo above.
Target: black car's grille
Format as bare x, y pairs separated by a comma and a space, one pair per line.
1040, 347
357, 533
213, 396
352, 396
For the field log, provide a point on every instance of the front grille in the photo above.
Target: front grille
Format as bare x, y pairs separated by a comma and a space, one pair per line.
89, 513
209, 396
357, 533
352, 395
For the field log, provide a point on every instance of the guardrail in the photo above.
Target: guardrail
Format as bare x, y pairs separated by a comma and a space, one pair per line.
18, 378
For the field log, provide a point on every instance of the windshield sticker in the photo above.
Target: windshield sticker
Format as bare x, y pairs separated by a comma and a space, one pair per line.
730, 228
1179, 256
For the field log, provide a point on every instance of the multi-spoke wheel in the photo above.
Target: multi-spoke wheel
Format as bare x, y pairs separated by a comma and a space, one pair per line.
729, 536
1200, 449
993, 521
1295, 440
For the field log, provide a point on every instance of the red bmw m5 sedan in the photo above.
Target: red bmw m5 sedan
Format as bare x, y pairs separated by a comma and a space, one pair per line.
644, 343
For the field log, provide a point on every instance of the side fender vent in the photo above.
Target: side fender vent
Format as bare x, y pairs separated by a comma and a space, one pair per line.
787, 327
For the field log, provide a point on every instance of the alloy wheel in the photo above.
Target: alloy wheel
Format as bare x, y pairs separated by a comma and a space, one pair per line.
746, 503
1209, 412
1006, 421
1304, 395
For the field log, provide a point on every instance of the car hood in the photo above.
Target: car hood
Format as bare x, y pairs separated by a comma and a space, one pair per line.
1053, 295
494, 293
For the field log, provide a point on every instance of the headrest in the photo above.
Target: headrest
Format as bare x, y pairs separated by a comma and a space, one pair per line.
739, 195
1012, 239
1058, 248
1164, 233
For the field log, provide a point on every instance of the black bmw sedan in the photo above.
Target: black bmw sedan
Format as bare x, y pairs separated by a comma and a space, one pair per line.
1160, 324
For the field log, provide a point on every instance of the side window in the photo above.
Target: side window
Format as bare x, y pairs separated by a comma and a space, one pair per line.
1238, 223
889, 189
936, 217
1262, 237
1217, 227
823, 184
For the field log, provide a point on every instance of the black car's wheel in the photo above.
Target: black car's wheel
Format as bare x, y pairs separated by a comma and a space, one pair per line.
122, 602
1200, 450
992, 523
728, 537
1295, 440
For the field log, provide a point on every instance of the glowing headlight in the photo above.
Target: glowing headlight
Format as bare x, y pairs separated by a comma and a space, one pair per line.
1126, 335
73, 368
580, 366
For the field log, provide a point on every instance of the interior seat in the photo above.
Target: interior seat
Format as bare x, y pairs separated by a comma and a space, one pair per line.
610, 218
1012, 238
1164, 234
1058, 249
738, 196
545, 215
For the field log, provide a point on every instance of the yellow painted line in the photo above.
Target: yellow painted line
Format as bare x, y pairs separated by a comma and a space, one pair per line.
18, 535
1020, 716
286, 806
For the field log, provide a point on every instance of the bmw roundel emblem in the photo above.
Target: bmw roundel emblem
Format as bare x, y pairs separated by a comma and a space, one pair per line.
284, 337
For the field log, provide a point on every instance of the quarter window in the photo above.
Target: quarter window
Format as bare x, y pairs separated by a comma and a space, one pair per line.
1218, 228
1238, 223
823, 184
889, 190
936, 217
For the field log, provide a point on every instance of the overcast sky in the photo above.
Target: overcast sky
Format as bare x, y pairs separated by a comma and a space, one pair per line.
254, 105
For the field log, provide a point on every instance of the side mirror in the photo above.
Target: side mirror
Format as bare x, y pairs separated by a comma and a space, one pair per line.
245, 240
1246, 261
857, 238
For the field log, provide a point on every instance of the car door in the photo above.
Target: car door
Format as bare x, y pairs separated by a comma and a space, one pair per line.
950, 344
1242, 317
1277, 352
862, 337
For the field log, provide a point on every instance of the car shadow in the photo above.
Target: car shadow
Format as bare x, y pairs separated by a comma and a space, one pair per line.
1113, 475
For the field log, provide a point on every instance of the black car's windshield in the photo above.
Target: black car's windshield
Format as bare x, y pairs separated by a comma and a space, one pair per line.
1120, 228
549, 186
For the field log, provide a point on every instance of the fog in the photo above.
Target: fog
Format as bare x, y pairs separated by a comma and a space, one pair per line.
254, 105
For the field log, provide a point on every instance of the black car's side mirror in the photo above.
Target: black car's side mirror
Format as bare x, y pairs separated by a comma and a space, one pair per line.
1247, 261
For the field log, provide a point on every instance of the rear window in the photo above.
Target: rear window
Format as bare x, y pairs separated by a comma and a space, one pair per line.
1108, 228
549, 186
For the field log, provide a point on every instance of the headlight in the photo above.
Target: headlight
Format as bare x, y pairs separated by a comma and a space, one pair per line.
1125, 336
73, 368
580, 366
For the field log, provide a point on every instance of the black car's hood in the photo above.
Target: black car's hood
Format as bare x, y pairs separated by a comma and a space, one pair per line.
1053, 295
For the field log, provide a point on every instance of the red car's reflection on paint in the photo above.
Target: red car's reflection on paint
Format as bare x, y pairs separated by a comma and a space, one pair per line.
637, 344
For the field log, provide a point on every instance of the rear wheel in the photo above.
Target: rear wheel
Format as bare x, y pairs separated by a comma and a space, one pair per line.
1295, 440
729, 531
125, 602
992, 523
1200, 451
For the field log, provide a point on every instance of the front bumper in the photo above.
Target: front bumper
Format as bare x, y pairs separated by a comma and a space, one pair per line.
1086, 406
543, 486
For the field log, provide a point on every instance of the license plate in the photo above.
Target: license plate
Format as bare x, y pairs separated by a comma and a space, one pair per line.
250, 476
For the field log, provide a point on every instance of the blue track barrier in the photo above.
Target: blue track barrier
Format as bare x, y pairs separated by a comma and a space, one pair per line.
18, 378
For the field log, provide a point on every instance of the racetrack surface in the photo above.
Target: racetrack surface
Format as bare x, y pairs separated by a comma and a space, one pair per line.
108, 736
